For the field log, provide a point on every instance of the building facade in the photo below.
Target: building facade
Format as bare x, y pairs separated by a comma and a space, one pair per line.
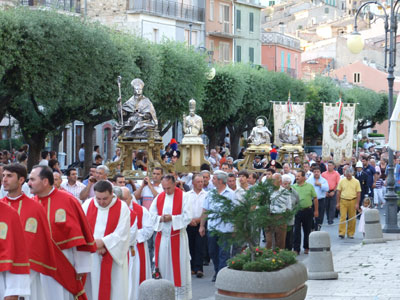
247, 44
281, 53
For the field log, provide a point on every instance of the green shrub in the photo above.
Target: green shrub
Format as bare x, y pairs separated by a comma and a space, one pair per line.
376, 134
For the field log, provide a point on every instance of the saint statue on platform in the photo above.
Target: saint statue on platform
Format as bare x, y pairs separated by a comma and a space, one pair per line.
192, 124
260, 134
137, 115
291, 132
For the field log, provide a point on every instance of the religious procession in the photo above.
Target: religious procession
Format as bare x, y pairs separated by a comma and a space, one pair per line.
151, 214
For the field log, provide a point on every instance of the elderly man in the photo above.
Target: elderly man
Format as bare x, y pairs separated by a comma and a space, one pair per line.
196, 241
304, 216
219, 253
280, 203
102, 172
109, 219
294, 201
321, 187
347, 200
286, 170
172, 212
207, 184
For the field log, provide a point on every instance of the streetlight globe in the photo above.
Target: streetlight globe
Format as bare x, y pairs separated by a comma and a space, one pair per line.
355, 42
211, 74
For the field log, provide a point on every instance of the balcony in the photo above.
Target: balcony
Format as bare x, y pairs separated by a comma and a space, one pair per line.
66, 5
170, 9
277, 38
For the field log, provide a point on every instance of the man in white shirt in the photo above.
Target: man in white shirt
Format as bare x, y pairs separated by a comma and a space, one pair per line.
100, 174
196, 242
286, 170
72, 185
207, 184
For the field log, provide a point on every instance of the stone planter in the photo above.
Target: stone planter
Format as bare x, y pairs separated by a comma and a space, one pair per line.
288, 284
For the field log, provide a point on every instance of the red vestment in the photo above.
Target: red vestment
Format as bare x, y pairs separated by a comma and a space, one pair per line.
44, 255
140, 246
175, 234
13, 254
68, 224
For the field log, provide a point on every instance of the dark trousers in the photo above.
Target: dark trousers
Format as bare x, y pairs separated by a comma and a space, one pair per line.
151, 244
321, 213
289, 237
196, 244
219, 252
330, 205
303, 218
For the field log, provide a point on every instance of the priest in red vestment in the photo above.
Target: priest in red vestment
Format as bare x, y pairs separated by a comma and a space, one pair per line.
110, 220
44, 256
14, 265
172, 212
69, 227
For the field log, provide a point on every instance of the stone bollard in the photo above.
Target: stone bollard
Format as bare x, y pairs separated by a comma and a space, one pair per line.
156, 289
373, 228
320, 262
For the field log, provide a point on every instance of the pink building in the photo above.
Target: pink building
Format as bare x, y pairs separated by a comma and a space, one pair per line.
366, 76
281, 53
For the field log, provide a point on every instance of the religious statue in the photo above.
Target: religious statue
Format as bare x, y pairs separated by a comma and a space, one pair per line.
260, 134
137, 115
192, 124
291, 132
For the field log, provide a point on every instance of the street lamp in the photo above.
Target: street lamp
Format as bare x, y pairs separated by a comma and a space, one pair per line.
356, 44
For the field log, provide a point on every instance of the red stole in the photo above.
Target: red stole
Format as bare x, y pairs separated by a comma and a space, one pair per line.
106, 263
140, 246
68, 224
13, 254
44, 255
175, 234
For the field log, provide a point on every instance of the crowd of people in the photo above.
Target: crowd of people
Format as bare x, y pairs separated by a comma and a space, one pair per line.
104, 237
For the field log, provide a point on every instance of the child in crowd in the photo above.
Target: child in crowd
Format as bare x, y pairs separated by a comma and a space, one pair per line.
379, 192
364, 208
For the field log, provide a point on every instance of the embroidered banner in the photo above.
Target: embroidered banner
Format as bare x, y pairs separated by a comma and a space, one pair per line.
338, 130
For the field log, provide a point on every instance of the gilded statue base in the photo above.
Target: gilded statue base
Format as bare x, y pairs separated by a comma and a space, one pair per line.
127, 145
291, 151
251, 153
191, 158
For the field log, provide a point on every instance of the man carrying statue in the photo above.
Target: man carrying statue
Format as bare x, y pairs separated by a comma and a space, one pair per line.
137, 115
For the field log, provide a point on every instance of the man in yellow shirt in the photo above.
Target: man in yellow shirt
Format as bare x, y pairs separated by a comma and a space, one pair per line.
347, 200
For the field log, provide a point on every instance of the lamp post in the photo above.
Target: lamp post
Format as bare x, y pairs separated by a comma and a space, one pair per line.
356, 44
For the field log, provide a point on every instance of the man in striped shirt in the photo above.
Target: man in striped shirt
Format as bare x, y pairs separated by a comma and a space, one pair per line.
73, 186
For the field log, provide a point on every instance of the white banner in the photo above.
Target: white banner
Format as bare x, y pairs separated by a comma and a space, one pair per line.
338, 138
289, 123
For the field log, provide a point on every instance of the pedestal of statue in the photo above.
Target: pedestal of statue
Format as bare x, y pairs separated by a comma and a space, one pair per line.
192, 155
152, 145
287, 152
251, 152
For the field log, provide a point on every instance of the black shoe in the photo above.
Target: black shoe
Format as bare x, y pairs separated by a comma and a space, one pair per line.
350, 237
214, 278
341, 236
199, 274
206, 263
330, 223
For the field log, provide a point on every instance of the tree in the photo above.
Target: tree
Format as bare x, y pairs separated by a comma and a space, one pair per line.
223, 96
53, 68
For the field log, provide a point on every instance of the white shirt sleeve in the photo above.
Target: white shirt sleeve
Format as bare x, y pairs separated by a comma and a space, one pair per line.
133, 233
83, 261
147, 230
155, 218
15, 284
182, 220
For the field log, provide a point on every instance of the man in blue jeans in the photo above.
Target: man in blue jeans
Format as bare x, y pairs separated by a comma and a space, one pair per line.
219, 251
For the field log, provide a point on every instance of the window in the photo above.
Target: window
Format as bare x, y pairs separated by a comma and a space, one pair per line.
187, 37
238, 19
251, 20
282, 61
251, 55
288, 61
238, 53
211, 10
155, 35
212, 45
356, 78
224, 52
224, 16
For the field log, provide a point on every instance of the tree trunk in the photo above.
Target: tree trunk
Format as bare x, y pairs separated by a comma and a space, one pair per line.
88, 130
36, 145
212, 137
235, 138
57, 137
